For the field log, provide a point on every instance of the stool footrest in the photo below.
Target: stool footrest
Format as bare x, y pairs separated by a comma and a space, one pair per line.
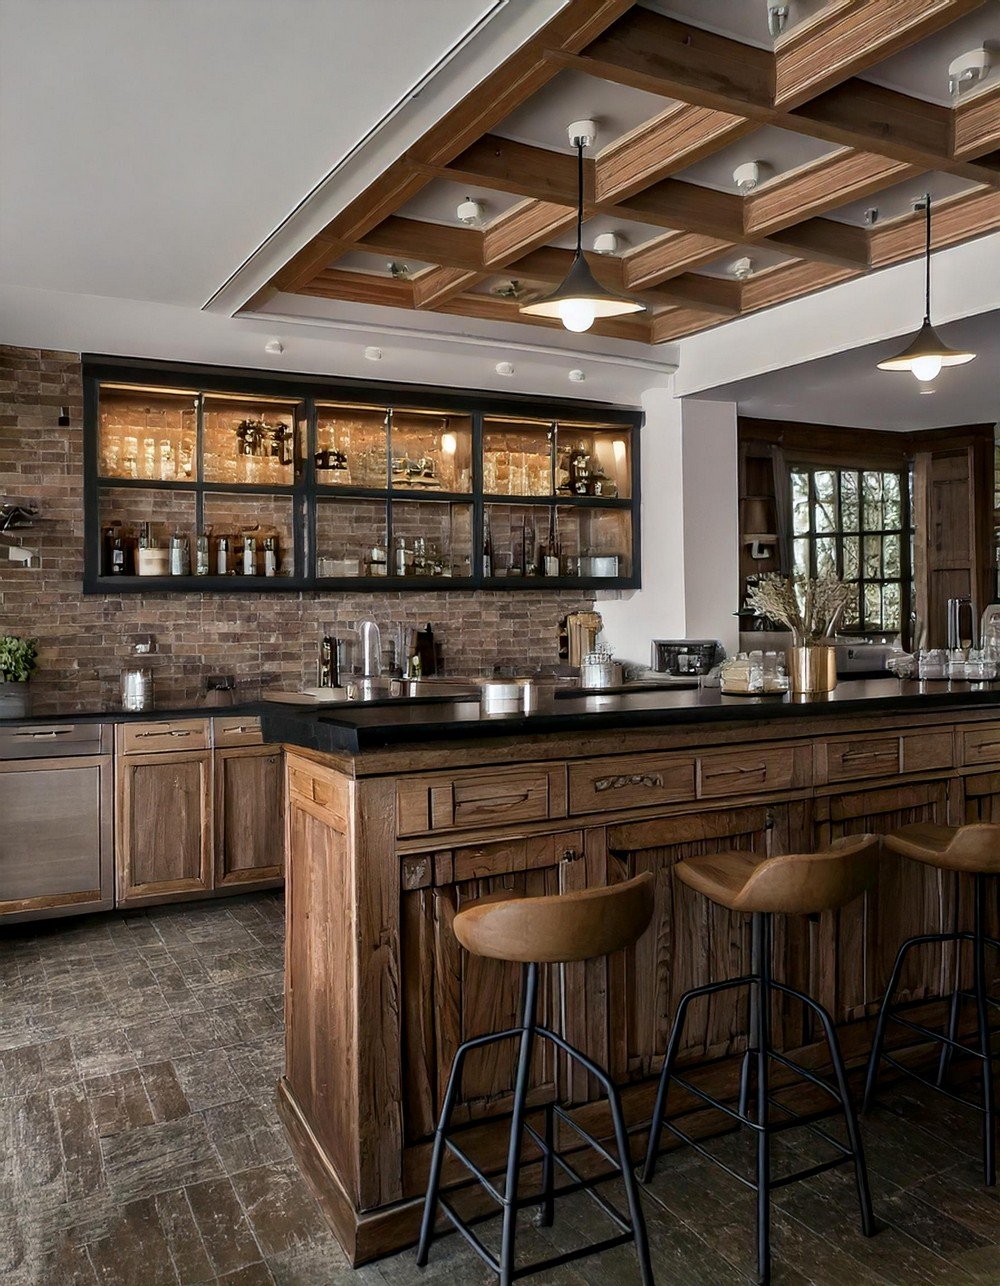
933, 1085
811, 1171
939, 1036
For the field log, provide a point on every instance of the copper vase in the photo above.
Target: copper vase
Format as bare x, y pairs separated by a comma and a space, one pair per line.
812, 669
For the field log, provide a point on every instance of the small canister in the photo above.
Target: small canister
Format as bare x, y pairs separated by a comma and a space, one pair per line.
222, 556
249, 555
270, 555
201, 555
180, 555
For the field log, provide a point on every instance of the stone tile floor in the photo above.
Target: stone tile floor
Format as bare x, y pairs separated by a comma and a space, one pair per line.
139, 1141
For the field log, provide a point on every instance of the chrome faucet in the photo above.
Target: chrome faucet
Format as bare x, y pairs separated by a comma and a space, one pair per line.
371, 649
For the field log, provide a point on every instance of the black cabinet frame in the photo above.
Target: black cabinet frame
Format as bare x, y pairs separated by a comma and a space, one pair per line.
305, 491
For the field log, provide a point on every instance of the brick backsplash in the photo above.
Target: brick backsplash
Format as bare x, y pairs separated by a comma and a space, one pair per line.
83, 641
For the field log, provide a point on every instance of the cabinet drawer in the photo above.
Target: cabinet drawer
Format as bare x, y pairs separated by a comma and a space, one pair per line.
751, 771
164, 734
480, 799
47, 740
981, 746
631, 781
234, 730
923, 751
862, 757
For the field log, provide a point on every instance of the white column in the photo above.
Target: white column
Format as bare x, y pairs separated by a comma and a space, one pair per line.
690, 569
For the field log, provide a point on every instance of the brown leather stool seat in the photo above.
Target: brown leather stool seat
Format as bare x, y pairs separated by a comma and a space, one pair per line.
969, 850
792, 884
537, 931
974, 849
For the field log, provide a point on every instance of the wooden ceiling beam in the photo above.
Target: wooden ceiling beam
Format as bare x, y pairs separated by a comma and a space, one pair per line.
649, 51
686, 207
823, 241
437, 285
508, 166
789, 281
957, 218
523, 229
360, 288
889, 124
976, 127
314, 256
437, 243
678, 137
675, 323
490, 308
824, 185
670, 256
853, 38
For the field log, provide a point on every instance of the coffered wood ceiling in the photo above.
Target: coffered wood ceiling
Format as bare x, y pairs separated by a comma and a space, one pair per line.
677, 108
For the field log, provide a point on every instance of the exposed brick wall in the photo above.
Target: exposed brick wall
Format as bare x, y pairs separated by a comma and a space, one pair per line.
83, 641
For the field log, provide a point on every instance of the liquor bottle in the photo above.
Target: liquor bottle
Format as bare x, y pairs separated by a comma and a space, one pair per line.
201, 556
270, 555
249, 555
487, 546
222, 557
117, 552
180, 555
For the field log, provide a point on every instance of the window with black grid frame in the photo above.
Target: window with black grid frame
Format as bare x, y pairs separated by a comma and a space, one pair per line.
856, 522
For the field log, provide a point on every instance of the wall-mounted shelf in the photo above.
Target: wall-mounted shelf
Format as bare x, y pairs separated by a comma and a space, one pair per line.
349, 484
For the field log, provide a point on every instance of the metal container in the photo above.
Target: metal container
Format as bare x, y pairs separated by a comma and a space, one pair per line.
598, 565
508, 696
812, 669
601, 672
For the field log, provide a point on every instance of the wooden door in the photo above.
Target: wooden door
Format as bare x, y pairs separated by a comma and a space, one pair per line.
164, 841
857, 945
448, 995
691, 941
249, 816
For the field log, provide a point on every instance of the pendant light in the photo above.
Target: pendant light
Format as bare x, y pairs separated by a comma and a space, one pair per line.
581, 299
926, 352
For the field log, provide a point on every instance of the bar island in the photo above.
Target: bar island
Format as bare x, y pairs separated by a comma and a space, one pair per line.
400, 814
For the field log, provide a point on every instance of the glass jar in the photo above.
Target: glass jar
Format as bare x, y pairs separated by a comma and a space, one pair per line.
137, 688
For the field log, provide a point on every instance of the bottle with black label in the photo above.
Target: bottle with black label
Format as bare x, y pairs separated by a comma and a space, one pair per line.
487, 546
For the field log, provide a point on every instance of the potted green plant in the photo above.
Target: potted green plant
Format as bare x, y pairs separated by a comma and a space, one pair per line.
811, 609
17, 661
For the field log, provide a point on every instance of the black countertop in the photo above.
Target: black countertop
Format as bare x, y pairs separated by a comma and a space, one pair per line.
376, 726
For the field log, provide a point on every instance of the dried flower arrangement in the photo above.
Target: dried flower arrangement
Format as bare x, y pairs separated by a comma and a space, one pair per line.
809, 608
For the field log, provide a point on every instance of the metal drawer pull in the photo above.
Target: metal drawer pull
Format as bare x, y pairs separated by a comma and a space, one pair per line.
504, 802
869, 754
240, 728
650, 780
736, 772
50, 732
166, 732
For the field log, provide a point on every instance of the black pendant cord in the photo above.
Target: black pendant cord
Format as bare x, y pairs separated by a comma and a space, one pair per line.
927, 260
579, 201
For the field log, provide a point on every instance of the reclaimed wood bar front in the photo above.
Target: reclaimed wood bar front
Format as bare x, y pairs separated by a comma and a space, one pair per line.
385, 844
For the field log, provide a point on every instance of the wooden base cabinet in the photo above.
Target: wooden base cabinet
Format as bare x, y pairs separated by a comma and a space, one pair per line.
379, 994
199, 820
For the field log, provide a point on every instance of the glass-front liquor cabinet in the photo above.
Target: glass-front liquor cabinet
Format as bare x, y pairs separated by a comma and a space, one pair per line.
203, 479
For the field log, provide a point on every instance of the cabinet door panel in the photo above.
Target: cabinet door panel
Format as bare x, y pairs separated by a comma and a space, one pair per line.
690, 941
249, 808
164, 840
908, 898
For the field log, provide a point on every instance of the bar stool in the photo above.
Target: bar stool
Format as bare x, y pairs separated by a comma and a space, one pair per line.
796, 884
972, 850
534, 931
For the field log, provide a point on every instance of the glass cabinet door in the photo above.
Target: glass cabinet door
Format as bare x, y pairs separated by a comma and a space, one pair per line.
431, 538
431, 451
351, 537
148, 433
249, 440
594, 460
351, 448
517, 457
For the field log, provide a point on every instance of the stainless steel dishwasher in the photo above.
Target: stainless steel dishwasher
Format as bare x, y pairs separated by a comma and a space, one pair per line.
56, 819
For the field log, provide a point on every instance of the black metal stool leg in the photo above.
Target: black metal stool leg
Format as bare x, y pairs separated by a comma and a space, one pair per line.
546, 1214
663, 1089
761, 952
954, 1005
871, 1076
983, 1024
509, 1230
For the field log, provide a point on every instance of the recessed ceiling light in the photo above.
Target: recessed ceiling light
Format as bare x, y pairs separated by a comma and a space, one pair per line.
373, 354
274, 346
576, 375
504, 368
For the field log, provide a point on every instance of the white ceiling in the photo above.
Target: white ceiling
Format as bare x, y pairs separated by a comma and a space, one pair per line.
761, 258
744, 20
849, 389
438, 201
923, 70
572, 96
146, 148
898, 200
777, 150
